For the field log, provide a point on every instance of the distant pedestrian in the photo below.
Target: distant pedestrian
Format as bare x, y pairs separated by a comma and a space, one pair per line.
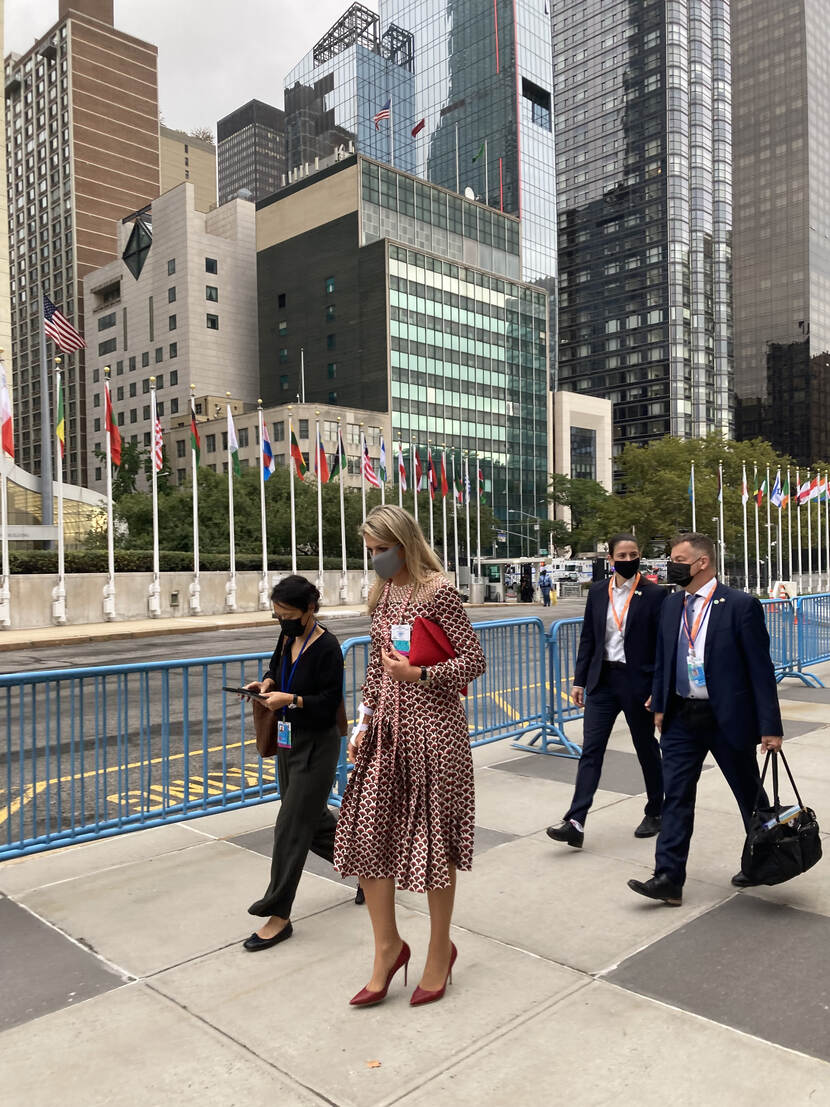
304, 686
526, 590
613, 673
714, 692
407, 816
545, 585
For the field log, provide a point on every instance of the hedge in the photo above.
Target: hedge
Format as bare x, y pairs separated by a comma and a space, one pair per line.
170, 561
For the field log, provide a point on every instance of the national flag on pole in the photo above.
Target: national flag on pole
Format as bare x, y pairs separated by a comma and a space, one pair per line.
431, 481
776, 498
812, 488
401, 470
60, 420
158, 447
297, 454
744, 490
480, 152
368, 471
111, 428
444, 485
467, 485
785, 494
760, 489
720, 485
339, 467
6, 424
419, 126
195, 440
59, 329
233, 446
267, 453
418, 472
691, 487
459, 495
384, 113
321, 464
382, 463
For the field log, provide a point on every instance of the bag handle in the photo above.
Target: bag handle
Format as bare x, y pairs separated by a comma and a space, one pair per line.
776, 801
761, 785
790, 775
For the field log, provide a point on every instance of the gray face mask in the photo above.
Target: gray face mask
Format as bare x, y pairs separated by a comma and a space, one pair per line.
389, 563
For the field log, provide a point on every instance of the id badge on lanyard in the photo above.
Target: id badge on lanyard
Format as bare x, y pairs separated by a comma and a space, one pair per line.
401, 634
284, 736
694, 665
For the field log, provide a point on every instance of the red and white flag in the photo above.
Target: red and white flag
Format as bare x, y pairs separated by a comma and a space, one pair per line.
431, 481
368, 472
158, 447
444, 483
418, 471
111, 428
401, 470
6, 424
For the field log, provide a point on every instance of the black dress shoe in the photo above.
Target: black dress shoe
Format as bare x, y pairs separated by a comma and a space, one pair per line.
741, 880
567, 832
658, 887
254, 944
648, 827
359, 896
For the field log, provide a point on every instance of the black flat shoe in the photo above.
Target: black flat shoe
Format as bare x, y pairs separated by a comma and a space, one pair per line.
659, 888
649, 827
741, 880
359, 897
566, 832
254, 944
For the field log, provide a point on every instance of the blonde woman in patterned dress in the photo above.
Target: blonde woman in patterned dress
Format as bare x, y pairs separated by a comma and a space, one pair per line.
407, 817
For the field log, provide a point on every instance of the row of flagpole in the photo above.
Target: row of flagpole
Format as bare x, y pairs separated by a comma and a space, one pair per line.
815, 489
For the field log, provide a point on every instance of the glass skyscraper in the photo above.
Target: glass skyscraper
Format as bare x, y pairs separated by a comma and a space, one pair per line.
643, 118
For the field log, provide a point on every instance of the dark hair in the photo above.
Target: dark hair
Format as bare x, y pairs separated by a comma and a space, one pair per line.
296, 591
623, 536
701, 543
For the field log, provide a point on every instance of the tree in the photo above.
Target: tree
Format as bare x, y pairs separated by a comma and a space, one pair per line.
585, 500
205, 134
124, 477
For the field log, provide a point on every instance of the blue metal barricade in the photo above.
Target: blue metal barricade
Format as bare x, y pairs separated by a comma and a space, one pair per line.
563, 643
812, 615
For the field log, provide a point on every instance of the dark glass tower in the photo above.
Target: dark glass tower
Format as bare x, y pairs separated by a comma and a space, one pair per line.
643, 122
250, 151
781, 65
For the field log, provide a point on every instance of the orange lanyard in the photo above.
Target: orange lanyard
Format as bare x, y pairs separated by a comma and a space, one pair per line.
620, 619
691, 635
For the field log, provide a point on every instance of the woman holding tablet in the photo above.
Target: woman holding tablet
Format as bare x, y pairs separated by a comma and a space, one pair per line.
304, 686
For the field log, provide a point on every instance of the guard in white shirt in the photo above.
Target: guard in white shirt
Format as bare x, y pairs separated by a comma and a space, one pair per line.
613, 674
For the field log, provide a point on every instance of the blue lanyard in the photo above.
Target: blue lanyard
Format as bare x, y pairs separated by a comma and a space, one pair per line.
285, 686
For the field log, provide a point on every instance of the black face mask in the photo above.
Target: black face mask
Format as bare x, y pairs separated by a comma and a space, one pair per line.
678, 573
627, 569
292, 627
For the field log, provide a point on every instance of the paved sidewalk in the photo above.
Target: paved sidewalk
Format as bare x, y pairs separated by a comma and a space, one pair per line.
124, 981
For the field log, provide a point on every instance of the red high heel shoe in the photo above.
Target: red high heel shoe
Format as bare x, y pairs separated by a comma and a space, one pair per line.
421, 996
367, 998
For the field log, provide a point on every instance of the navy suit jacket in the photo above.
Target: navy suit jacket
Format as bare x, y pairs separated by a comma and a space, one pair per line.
740, 677
640, 638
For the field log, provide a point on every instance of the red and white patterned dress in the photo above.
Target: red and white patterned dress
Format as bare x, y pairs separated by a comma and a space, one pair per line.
408, 811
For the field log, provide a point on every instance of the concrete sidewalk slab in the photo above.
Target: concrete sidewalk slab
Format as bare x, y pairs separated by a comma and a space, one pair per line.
554, 913
290, 1004
604, 1046
522, 805
227, 824
621, 770
134, 1047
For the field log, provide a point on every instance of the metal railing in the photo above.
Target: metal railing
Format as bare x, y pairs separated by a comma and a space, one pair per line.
812, 615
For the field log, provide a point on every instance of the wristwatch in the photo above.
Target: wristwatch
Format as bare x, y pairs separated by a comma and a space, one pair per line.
424, 677
294, 701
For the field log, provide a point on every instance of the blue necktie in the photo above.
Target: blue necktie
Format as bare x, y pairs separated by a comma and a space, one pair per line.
681, 676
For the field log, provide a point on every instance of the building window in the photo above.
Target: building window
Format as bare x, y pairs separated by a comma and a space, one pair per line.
171, 295
281, 300
171, 268
145, 385
174, 378
212, 293
243, 437
107, 347
331, 341
283, 326
120, 392
539, 103
332, 370
106, 321
119, 368
181, 448
160, 407
171, 323
159, 381
329, 285
331, 315
303, 428
133, 390
173, 350
211, 265
583, 453
283, 382
159, 354
132, 364
332, 397
133, 415
97, 426
212, 322
279, 432
145, 359
174, 407
146, 413
283, 355
210, 443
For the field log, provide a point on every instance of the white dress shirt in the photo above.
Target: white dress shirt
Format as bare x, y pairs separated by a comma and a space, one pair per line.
614, 637
698, 691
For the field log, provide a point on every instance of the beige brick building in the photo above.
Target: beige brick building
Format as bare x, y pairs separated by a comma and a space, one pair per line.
185, 158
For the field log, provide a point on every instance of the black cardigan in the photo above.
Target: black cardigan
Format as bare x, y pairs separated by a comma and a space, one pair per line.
318, 680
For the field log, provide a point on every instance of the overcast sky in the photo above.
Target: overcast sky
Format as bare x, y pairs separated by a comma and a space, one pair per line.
213, 54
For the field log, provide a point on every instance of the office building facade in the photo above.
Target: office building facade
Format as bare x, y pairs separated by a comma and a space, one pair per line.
251, 151
407, 298
182, 157
82, 142
179, 305
781, 70
643, 109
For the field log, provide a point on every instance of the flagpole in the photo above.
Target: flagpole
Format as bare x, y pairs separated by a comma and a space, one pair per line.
391, 136
692, 498
196, 585
757, 530
291, 495
455, 519
318, 447
154, 595
401, 469
46, 493
264, 598
344, 577
467, 513
5, 594
827, 526
109, 587
818, 531
457, 176
769, 536
798, 528
744, 498
230, 588
809, 537
789, 528
431, 489
478, 518
486, 176
59, 591
385, 473
444, 503
364, 586
414, 478
302, 375
780, 531
722, 533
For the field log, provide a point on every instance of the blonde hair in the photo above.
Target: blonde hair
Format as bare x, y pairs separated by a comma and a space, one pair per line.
393, 526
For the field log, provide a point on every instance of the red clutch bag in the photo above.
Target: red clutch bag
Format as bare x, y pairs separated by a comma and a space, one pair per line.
429, 645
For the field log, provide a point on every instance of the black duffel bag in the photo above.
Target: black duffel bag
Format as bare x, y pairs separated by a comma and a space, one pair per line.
777, 850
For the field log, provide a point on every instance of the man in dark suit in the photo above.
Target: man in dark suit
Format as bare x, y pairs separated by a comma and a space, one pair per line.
613, 673
714, 692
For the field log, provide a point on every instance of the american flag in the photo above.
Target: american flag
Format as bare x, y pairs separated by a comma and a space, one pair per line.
59, 329
368, 471
384, 113
158, 447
